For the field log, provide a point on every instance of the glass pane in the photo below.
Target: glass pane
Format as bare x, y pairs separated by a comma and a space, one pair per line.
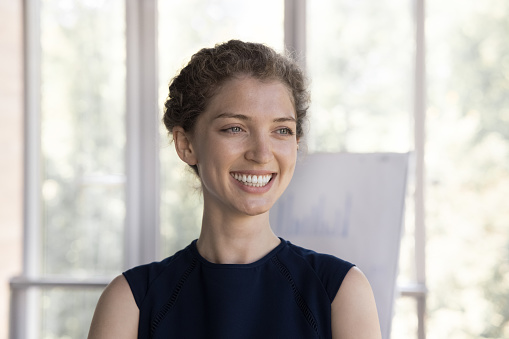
468, 169
67, 313
360, 59
83, 138
404, 323
184, 28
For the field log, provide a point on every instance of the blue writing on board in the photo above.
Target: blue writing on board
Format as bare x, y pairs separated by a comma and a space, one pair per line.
313, 219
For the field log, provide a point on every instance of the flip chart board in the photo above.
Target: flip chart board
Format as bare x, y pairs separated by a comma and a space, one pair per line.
351, 206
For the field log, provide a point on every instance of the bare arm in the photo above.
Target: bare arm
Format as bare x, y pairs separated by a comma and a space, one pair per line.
116, 314
354, 314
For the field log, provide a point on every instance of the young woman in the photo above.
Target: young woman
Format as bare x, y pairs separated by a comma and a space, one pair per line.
236, 113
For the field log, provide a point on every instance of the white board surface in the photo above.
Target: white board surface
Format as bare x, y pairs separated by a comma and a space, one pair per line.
351, 206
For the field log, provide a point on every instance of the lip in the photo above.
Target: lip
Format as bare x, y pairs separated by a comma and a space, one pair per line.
253, 189
254, 172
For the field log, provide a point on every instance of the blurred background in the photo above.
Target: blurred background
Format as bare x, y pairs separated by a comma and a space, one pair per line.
90, 184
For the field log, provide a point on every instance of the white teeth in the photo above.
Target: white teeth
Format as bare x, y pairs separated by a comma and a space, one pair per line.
252, 180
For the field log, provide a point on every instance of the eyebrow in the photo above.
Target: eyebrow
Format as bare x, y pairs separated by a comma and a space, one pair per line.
243, 117
285, 119
232, 116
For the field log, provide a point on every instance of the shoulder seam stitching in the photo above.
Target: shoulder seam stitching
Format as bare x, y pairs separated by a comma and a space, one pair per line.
308, 315
173, 298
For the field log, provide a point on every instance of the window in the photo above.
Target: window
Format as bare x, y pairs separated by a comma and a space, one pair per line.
371, 46
361, 59
75, 206
105, 189
468, 172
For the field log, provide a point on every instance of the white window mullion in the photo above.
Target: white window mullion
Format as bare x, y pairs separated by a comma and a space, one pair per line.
32, 138
419, 135
295, 29
24, 302
142, 201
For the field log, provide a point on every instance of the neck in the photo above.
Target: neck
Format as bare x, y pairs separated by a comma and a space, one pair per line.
236, 240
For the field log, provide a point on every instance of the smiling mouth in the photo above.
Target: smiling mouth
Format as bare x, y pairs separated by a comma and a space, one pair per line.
252, 180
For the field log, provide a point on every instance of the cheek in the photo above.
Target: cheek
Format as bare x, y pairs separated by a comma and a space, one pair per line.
214, 159
289, 156
290, 150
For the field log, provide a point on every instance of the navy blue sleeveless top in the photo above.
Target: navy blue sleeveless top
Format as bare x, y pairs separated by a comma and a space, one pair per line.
286, 294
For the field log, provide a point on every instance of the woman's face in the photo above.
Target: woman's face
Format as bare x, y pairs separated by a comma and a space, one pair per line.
245, 146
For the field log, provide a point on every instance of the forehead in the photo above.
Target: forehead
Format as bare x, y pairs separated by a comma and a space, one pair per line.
251, 96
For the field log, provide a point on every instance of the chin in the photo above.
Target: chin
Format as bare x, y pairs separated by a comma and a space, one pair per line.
256, 210
255, 213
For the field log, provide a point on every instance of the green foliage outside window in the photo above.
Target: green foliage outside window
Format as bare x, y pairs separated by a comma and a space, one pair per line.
360, 60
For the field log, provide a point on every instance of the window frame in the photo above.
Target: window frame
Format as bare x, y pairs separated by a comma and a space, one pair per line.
142, 160
141, 231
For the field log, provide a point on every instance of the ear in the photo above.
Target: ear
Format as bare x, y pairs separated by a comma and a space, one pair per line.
183, 146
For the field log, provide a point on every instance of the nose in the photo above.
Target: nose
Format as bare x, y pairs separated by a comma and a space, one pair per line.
259, 149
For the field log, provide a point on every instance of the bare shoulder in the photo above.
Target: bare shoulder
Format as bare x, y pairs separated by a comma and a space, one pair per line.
116, 314
354, 314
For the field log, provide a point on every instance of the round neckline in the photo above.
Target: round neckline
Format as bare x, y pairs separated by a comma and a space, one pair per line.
258, 262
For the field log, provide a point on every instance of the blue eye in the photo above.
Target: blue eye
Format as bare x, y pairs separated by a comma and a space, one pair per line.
285, 131
233, 129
